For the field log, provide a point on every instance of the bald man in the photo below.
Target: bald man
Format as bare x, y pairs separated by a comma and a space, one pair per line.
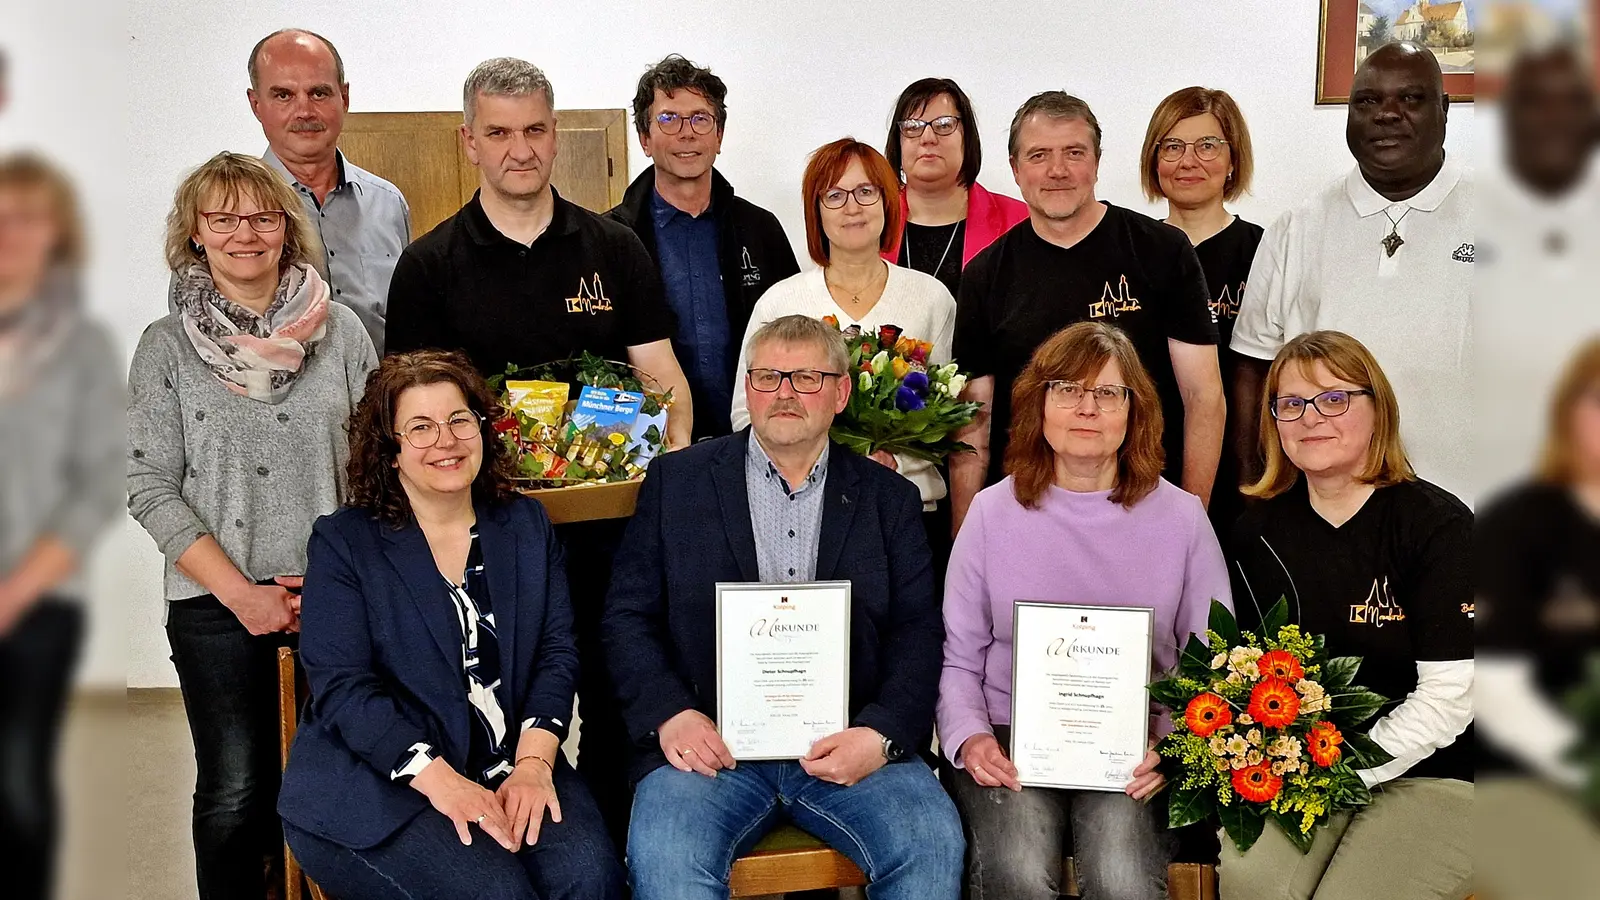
1384, 253
299, 94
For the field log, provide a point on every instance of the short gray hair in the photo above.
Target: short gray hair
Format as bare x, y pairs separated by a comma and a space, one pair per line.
799, 329
504, 76
254, 65
1054, 105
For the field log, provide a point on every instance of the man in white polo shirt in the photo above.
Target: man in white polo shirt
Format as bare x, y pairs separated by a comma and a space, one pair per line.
1384, 254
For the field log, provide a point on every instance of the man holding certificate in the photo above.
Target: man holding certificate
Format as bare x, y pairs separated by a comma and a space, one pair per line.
775, 636
1072, 582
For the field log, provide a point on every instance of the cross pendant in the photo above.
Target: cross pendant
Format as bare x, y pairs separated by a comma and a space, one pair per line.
1393, 242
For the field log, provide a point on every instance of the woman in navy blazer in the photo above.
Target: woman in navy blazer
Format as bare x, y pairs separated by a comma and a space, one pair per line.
436, 635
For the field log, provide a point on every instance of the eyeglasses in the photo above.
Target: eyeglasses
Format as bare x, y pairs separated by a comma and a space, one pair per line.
866, 195
913, 128
1329, 403
1206, 148
264, 222
804, 381
422, 432
672, 123
1108, 398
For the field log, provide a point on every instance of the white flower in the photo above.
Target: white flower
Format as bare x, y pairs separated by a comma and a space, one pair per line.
946, 372
880, 363
1219, 660
866, 382
958, 383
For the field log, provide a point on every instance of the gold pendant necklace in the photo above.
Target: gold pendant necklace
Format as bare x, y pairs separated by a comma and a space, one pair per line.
1393, 240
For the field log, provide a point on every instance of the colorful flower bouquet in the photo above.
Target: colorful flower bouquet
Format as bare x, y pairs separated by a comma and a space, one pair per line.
1263, 728
607, 433
900, 404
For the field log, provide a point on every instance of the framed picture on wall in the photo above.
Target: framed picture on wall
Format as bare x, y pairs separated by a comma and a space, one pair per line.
1351, 29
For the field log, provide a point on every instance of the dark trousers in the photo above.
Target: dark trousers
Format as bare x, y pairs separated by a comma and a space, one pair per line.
604, 750
36, 665
229, 679
425, 860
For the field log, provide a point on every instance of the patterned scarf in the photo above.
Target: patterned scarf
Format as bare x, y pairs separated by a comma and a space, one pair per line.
257, 356
32, 334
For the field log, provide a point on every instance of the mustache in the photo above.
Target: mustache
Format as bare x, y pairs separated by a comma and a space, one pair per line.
786, 406
307, 127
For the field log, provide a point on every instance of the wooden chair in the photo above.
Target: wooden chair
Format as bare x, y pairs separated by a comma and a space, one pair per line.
789, 859
289, 683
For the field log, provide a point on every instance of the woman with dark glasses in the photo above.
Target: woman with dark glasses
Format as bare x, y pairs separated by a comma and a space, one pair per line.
1379, 562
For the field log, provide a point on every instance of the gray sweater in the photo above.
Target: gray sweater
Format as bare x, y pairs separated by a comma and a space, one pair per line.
60, 442
255, 476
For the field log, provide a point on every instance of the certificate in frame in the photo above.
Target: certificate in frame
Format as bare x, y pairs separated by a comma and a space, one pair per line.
1080, 709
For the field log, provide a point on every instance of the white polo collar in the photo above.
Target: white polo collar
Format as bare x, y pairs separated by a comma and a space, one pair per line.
1368, 202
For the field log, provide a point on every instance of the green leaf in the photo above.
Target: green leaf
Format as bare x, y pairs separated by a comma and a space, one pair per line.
1168, 693
1339, 672
1243, 822
1187, 806
1354, 706
1196, 659
1365, 752
1289, 823
1225, 625
1276, 618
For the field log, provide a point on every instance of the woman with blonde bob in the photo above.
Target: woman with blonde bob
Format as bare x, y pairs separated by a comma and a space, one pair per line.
236, 444
1379, 563
1083, 516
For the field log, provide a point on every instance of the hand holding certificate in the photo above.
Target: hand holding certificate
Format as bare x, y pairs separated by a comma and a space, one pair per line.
1080, 714
783, 666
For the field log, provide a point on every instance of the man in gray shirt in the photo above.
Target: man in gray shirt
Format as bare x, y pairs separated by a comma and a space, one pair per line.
299, 95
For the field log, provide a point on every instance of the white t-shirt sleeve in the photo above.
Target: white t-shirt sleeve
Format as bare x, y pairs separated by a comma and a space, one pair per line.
1259, 330
1431, 718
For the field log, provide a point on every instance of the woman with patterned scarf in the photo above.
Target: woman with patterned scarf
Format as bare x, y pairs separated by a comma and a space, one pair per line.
236, 444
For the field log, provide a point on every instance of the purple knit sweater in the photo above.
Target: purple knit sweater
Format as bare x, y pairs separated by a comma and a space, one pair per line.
1076, 548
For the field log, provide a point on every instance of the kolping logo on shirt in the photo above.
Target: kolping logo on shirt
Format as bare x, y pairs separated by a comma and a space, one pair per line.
752, 272
1114, 305
590, 299
1227, 305
1465, 253
1379, 608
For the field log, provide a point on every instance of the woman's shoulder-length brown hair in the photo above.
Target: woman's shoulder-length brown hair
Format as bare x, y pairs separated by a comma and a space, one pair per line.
1078, 353
827, 163
26, 171
1195, 101
372, 481
1349, 360
1557, 460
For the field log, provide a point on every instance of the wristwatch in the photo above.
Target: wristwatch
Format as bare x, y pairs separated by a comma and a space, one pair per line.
892, 752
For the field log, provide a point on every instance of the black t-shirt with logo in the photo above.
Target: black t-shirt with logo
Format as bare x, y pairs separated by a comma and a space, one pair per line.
1393, 585
586, 283
935, 250
1225, 259
1131, 271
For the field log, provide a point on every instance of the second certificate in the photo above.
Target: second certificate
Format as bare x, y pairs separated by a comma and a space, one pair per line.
783, 666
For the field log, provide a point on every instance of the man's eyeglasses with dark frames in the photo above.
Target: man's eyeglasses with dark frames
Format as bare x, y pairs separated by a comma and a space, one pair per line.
804, 381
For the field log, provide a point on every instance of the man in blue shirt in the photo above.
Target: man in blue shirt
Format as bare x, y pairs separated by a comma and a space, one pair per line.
717, 252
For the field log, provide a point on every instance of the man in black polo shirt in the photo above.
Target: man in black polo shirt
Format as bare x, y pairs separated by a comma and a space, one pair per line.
1078, 259
521, 277
718, 253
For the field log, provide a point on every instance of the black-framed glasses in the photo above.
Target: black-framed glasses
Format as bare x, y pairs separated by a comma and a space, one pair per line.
913, 128
1329, 403
264, 222
422, 432
1207, 148
804, 381
672, 123
1108, 398
866, 195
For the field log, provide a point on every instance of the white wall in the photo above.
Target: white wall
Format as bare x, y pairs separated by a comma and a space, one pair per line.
799, 75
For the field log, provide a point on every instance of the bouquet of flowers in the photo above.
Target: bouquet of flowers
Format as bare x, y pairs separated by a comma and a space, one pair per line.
900, 404
607, 433
1263, 728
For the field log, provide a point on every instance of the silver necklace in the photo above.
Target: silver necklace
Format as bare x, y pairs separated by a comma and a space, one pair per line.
1393, 240
947, 245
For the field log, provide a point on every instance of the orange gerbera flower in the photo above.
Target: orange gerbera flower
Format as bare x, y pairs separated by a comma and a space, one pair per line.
1257, 783
1274, 703
1207, 713
1282, 665
1323, 744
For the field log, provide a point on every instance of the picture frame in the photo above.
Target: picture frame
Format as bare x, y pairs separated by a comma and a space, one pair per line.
1349, 29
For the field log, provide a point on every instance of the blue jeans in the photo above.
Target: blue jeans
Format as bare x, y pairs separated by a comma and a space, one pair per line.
425, 860
897, 824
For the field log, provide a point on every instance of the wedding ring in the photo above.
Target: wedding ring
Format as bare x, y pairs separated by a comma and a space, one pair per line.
479, 819
686, 751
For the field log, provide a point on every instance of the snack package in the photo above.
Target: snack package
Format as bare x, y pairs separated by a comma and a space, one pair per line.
602, 412
544, 404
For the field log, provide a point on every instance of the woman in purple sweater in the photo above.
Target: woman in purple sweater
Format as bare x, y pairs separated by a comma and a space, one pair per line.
1082, 517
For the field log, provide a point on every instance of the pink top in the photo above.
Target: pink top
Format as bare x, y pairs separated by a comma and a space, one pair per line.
988, 217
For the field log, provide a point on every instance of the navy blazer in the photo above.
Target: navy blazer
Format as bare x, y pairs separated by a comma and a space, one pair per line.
692, 529
381, 646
